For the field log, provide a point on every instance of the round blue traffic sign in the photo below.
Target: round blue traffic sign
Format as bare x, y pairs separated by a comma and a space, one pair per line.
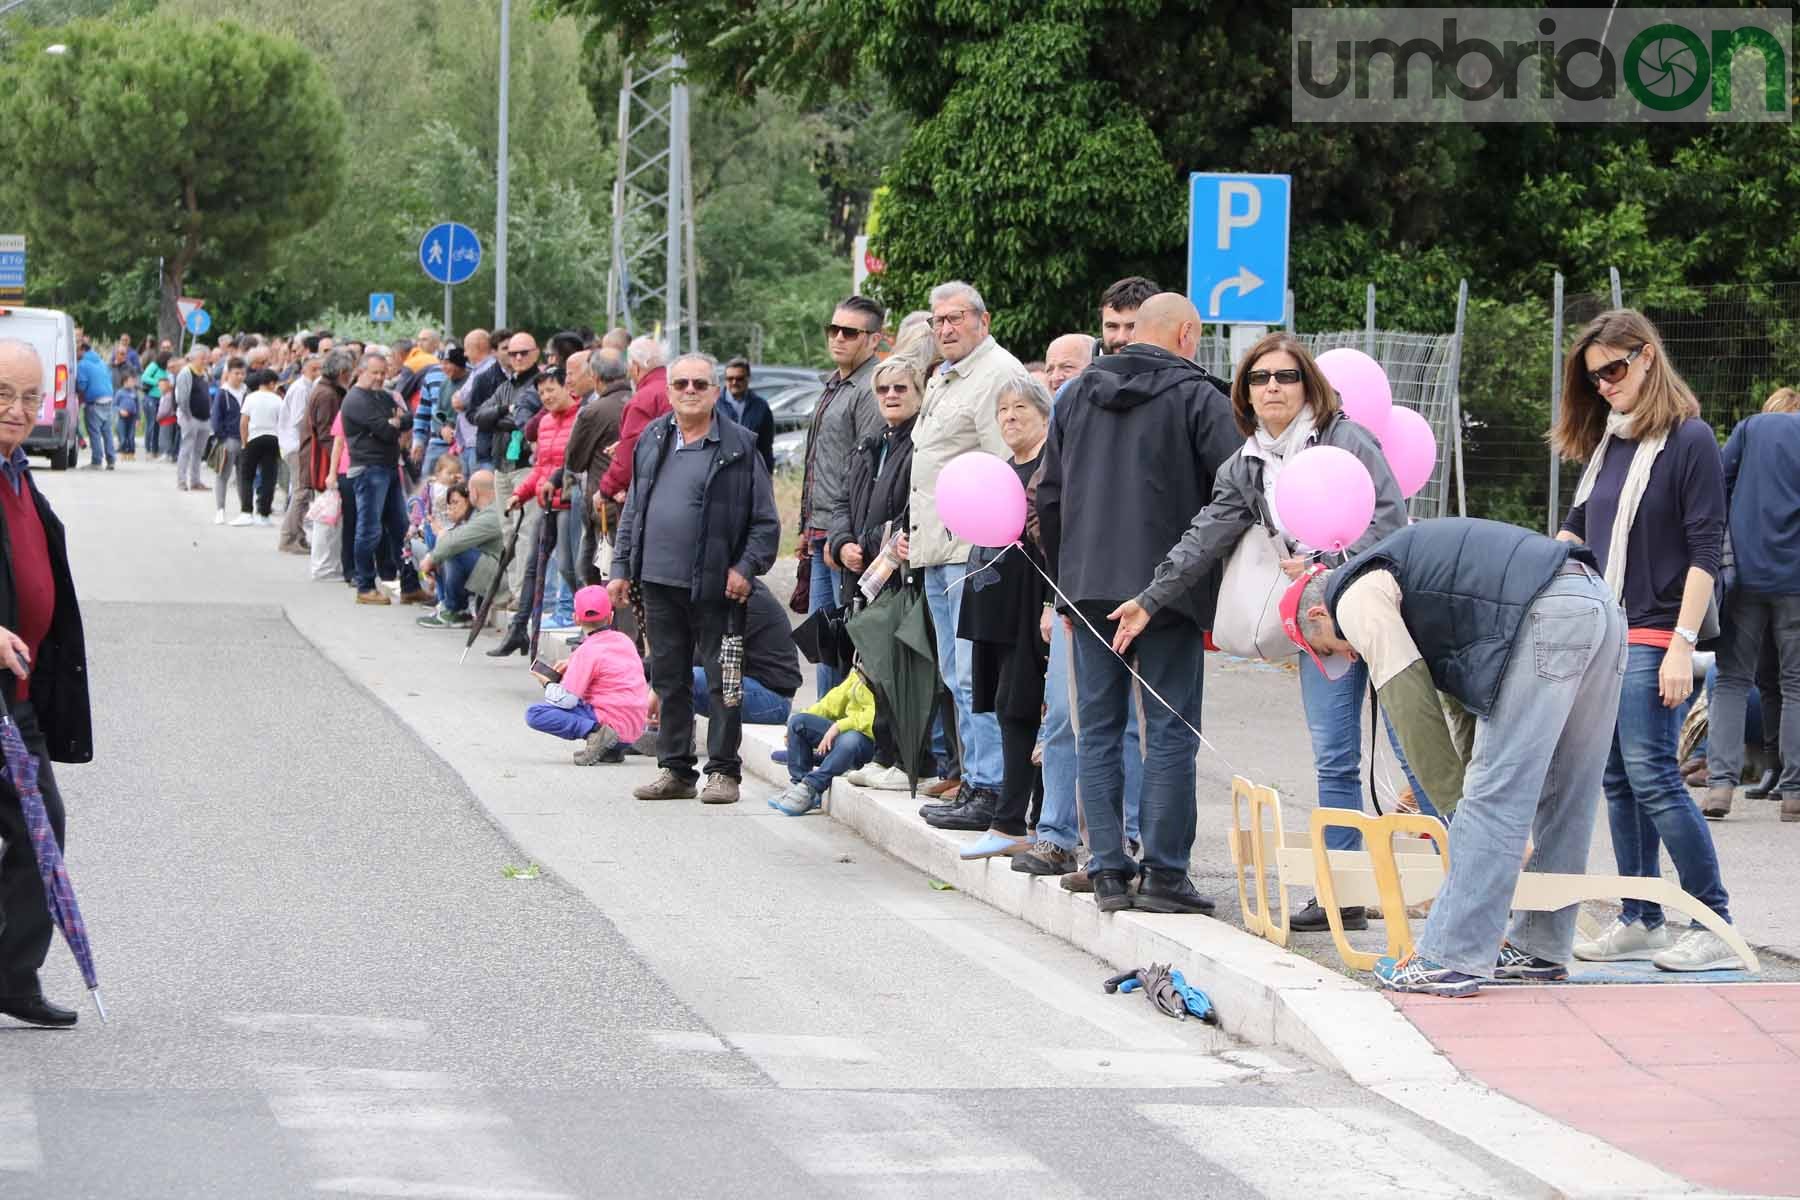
199, 321
449, 253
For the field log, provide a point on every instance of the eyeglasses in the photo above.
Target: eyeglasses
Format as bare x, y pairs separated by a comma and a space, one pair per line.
1261, 378
845, 331
25, 401
1615, 370
690, 385
892, 389
950, 319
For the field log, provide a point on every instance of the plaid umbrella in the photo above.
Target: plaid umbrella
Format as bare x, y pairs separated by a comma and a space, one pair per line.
59, 893
731, 656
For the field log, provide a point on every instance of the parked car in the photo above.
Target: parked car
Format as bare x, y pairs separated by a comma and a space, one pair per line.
790, 450
52, 332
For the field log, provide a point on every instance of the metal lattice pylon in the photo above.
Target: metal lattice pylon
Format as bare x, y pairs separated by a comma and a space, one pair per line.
653, 207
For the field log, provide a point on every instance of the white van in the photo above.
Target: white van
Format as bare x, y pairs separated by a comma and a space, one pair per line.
58, 422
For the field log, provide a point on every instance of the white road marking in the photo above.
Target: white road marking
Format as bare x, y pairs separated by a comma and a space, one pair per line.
19, 1146
1351, 1154
784, 1045
363, 1185
687, 1039
330, 1025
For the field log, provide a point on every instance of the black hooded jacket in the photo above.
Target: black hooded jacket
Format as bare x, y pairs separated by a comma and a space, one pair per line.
879, 490
1134, 444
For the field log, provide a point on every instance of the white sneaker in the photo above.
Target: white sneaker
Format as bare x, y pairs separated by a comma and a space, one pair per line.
861, 776
242, 519
219, 517
890, 779
262, 520
1699, 950
1625, 943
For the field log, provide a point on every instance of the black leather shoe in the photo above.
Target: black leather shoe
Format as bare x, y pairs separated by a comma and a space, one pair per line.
35, 1010
515, 642
956, 799
1312, 919
1111, 892
1171, 892
977, 814
1764, 788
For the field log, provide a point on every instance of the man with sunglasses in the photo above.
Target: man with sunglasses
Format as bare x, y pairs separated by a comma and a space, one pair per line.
845, 415
699, 525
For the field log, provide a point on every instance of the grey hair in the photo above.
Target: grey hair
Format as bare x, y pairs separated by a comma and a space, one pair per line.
897, 365
1028, 388
369, 355
12, 343
910, 322
337, 361
607, 364
1313, 594
712, 364
645, 353
956, 289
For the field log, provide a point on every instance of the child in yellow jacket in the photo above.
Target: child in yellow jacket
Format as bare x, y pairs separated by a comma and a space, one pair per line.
833, 736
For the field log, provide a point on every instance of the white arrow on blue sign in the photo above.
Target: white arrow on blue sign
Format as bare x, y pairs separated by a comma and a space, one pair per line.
449, 253
199, 321
1238, 247
381, 306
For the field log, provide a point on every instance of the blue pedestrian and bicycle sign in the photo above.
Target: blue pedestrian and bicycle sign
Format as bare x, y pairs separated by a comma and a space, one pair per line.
1238, 247
381, 306
199, 321
449, 253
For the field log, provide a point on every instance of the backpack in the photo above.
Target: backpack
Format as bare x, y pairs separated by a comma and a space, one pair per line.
199, 397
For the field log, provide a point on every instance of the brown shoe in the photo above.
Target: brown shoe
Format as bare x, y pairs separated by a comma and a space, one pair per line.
1717, 804
944, 787
1077, 881
416, 596
377, 596
1790, 806
720, 789
666, 786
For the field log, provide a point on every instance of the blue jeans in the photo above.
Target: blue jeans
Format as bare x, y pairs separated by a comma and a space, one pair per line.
849, 750
453, 580
1170, 660
128, 432
380, 525
99, 418
1534, 774
1058, 822
435, 449
1646, 802
570, 723
825, 593
760, 706
1334, 718
978, 734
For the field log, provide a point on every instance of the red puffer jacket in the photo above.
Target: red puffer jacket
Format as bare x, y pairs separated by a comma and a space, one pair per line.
552, 448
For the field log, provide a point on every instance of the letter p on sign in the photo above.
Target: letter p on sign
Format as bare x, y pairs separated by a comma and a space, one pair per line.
1230, 191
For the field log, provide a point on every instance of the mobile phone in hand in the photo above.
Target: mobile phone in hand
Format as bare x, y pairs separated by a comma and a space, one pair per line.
545, 670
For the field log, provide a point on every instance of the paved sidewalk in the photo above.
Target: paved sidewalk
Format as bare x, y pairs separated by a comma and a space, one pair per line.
1699, 1080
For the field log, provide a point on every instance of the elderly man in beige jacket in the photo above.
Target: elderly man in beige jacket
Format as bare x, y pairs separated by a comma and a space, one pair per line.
958, 416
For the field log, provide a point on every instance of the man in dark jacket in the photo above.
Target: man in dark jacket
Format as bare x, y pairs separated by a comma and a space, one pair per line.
598, 376
1134, 444
43, 680
373, 421
699, 524
1521, 633
749, 409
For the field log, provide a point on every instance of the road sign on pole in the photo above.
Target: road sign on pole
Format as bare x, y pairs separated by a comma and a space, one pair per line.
198, 321
449, 253
12, 268
381, 306
1238, 247
188, 305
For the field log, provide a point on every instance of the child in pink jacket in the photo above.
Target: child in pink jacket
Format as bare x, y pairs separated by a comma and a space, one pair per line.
599, 695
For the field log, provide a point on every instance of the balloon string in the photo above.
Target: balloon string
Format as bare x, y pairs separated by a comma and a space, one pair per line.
1130, 670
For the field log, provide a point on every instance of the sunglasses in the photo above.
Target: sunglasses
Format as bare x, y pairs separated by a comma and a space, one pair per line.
1615, 370
1261, 378
892, 389
690, 385
845, 331
518, 354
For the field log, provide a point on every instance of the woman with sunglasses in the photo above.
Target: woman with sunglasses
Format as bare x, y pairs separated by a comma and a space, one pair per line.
1652, 505
1284, 405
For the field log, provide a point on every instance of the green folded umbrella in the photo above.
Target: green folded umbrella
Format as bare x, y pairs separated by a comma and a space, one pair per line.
899, 655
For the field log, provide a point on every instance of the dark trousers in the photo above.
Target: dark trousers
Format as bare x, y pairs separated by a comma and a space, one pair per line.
543, 545
1768, 684
1017, 740
25, 933
262, 454
680, 626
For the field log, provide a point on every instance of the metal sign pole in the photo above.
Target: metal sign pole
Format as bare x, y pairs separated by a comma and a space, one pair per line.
446, 312
1556, 340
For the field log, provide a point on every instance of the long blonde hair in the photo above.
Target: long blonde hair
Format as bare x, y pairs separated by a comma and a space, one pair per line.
1783, 400
1664, 401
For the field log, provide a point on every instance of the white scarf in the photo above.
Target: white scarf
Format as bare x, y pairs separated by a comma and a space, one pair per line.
1631, 493
1275, 452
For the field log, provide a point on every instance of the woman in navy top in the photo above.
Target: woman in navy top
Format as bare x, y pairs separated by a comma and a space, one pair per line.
1651, 504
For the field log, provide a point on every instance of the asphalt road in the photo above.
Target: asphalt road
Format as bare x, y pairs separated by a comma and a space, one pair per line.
291, 849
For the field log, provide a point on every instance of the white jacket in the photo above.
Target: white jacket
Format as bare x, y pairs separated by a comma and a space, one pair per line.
957, 416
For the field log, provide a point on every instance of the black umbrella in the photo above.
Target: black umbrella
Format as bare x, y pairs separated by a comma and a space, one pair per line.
900, 657
487, 602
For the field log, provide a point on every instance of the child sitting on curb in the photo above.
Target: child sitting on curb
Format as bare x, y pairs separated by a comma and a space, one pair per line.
833, 736
598, 694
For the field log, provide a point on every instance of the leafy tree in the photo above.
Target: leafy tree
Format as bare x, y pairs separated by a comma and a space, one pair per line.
131, 145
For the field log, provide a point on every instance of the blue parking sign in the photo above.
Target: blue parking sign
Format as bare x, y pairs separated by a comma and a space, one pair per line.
381, 306
1238, 247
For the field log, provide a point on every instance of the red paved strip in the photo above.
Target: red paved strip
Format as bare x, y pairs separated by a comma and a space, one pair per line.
1699, 1080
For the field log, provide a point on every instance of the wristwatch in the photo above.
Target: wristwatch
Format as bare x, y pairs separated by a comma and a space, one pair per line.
1690, 636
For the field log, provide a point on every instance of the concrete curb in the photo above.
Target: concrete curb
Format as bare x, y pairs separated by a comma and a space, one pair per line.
1264, 995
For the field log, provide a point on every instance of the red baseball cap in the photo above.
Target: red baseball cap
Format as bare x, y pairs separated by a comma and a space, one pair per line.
1332, 666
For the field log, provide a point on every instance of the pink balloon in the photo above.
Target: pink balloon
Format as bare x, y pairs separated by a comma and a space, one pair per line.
1325, 498
1361, 384
1410, 449
980, 499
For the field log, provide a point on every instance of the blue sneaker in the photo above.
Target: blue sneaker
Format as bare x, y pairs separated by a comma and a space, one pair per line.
1416, 974
779, 756
797, 801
